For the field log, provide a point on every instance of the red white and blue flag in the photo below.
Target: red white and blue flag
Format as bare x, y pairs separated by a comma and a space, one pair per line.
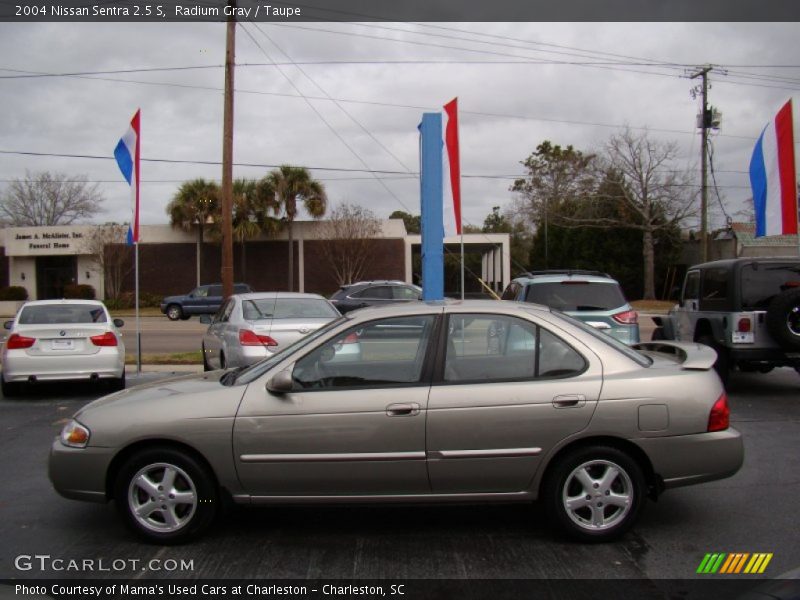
127, 154
452, 171
773, 177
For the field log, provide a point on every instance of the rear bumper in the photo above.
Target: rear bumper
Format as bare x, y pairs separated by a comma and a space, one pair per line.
689, 459
771, 356
105, 364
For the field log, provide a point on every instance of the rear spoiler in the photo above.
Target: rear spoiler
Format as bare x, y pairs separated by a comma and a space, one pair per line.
691, 356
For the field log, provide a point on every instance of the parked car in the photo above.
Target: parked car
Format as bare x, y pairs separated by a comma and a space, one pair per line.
549, 409
374, 293
62, 340
746, 309
251, 327
591, 296
202, 300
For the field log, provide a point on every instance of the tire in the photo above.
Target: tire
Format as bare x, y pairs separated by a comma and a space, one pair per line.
10, 389
722, 365
174, 312
783, 318
658, 335
206, 366
223, 364
577, 498
173, 515
117, 384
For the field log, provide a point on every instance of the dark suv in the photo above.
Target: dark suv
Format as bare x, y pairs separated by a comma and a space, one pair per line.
747, 309
202, 300
374, 293
591, 296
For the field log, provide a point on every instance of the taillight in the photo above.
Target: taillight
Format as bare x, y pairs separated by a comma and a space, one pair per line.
351, 339
107, 339
744, 325
251, 338
17, 341
720, 416
629, 317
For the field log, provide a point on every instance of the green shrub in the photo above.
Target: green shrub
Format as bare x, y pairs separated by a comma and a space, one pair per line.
13, 293
127, 301
79, 291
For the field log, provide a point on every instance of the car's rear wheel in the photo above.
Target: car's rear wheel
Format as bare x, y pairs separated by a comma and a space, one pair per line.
166, 495
174, 312
206, 366
595, 494
10, 389
723, 364
223, 364
118, 383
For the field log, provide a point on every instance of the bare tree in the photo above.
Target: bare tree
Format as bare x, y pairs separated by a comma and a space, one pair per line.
46, 198
109, 252
349, 241
641, 182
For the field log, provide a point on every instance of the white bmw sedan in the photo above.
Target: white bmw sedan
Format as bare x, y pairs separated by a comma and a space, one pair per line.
59, 340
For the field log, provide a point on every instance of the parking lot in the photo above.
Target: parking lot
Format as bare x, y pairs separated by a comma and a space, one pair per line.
755, 511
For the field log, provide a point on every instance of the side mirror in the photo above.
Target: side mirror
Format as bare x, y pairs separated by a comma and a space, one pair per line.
118, 322
8, 324
281, 383
205, 319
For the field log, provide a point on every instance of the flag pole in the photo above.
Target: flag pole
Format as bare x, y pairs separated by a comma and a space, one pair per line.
138, 324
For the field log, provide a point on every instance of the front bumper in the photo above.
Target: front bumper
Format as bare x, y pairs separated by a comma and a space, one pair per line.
79, 473
689, 459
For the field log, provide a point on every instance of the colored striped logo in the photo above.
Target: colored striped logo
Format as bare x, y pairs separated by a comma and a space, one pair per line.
734, 563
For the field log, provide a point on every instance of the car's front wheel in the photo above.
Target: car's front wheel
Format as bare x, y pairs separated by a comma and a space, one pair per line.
166, 495
174, 312
595, 494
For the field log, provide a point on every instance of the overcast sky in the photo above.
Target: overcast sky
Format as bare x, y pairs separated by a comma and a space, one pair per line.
506, 109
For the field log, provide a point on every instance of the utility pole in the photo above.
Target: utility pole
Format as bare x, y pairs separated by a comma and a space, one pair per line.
705, 124
227, 157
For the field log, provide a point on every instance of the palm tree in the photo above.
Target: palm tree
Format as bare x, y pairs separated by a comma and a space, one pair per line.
253, 204
194, 204
290, 185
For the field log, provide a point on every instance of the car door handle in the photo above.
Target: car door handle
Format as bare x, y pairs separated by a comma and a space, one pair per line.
410, 409
569, 401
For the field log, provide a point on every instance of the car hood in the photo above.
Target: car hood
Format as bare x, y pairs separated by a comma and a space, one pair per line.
159, 407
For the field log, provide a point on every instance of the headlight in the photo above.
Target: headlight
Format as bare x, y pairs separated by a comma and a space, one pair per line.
75, 435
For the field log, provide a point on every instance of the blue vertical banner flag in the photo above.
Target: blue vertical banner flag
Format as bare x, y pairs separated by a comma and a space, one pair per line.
773, 177
127, 154
431, 201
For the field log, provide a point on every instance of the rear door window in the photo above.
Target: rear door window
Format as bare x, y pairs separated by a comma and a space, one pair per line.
762, 282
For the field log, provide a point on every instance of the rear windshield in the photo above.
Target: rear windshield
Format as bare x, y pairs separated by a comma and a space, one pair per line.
574, 295
287, 308
56, 314
762, 282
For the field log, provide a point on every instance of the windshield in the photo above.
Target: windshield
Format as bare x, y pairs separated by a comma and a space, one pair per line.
287, 308
575, 295
255, 371
634, 355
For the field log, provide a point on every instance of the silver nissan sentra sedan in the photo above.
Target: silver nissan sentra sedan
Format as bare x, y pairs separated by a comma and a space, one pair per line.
447, 402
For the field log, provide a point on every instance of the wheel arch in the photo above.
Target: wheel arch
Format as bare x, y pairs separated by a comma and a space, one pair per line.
123, 455
654, 484
708, 327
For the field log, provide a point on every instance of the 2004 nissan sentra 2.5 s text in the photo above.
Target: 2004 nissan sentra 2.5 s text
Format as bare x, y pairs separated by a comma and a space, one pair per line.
445, 402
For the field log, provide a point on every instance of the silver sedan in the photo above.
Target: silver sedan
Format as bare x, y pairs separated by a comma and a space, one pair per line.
446, 402
250, 327
62, 340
